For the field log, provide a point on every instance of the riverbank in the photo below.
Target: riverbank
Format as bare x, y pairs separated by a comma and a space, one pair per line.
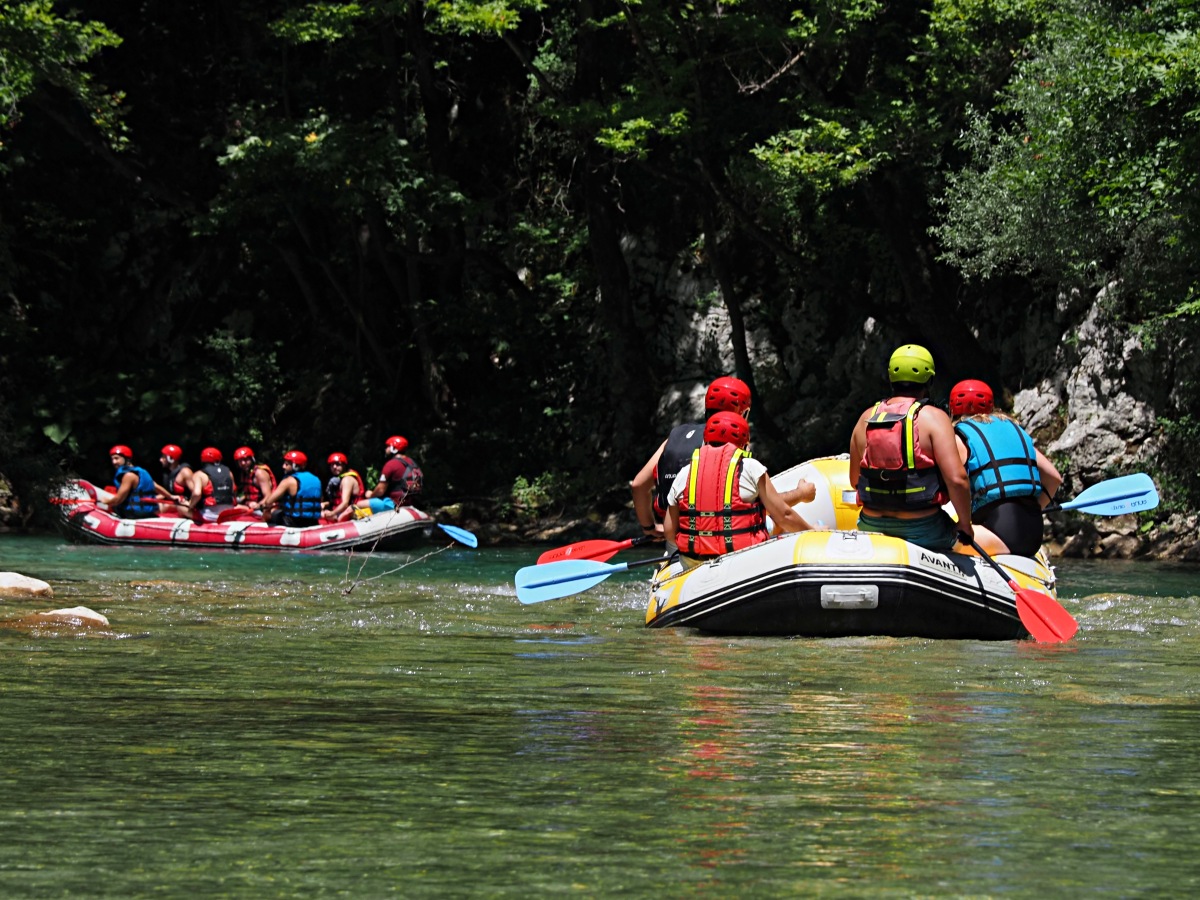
1175, 537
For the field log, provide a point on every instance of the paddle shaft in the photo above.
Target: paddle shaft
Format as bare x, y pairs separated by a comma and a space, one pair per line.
594, 549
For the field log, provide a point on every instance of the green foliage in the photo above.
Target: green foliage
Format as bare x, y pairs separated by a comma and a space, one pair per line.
1088, 167
824, 155
42, 48
318, 22
487, 17
467, 220
531, 499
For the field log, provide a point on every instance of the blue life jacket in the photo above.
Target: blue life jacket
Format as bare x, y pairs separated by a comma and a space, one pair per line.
140, 503
306, 502
1001, 460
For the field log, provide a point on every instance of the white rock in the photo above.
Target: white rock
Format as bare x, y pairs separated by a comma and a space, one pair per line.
76, 615
14, 585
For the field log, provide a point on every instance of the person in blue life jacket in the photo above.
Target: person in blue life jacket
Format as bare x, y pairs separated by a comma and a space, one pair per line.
720, 499
213, 488
134, 495
296, 500
904, 461
651, 486
1011, 481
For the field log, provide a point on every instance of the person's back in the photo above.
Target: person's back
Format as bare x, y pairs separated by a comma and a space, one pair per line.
213, 487
1010, 480
651, 487
720, 499
302, 508
904, 461
405, 480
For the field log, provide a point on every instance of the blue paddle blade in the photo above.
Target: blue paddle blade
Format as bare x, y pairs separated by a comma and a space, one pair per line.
549, 581
460, 534
1117, 496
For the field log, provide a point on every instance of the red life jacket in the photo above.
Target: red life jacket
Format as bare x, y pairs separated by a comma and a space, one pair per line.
713, 517
896, 472
251, 493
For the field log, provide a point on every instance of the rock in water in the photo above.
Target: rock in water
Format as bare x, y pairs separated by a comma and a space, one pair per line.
14, 585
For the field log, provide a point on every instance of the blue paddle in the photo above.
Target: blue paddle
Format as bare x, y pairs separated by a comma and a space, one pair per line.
549, 581
460, 534
1114, 497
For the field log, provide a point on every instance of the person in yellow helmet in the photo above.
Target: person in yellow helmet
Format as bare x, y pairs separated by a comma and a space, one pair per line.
904, 460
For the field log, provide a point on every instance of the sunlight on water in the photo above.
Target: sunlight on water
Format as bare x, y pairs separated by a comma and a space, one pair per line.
259, 724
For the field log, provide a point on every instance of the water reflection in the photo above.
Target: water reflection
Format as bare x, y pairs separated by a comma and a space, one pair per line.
254, 730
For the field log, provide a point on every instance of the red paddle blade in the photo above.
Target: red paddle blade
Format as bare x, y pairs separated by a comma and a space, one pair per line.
597, 550
1043, 616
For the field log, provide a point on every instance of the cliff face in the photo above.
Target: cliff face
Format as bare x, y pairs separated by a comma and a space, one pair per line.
1097, 416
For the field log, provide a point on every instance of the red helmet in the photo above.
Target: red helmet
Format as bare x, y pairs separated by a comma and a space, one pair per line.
396, 442
727, 428
121, 450
970, 398
210, 455
243, 453
336, 457
172, 452
728, 393
296, 458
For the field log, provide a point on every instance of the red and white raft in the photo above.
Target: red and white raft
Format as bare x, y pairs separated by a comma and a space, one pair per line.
85, 520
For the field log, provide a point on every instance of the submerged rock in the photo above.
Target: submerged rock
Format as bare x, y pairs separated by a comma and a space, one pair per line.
77, 617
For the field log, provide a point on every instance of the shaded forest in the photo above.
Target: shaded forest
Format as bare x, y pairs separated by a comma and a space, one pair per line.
489, 226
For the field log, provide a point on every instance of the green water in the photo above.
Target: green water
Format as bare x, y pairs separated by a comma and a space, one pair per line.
250, 729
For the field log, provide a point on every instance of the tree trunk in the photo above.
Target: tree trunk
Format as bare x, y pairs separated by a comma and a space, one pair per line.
631, 399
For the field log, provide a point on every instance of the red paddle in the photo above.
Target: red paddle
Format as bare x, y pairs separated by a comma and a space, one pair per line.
597, 550
1043, 616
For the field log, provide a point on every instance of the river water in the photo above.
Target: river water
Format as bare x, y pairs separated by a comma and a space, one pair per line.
277, 725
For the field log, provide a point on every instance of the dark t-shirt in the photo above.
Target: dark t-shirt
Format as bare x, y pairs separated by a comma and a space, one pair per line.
403, 478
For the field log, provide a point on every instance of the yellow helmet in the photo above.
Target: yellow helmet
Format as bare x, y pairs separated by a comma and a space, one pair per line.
911, 363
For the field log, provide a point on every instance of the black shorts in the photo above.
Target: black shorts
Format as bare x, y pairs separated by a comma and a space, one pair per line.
1016, 522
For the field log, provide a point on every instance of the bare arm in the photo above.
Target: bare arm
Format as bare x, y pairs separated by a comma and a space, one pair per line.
1051, 479
785, 518
804, 492
858, 445
671, 524
642, 489
349, 485
129, 481
936, 426
263, 480
280, 490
